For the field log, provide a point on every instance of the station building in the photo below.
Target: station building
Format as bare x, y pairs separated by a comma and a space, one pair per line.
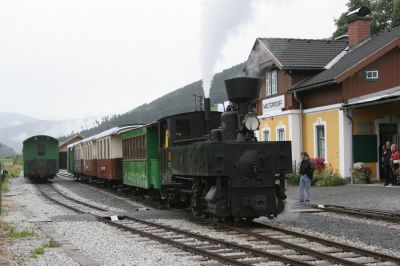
336, 99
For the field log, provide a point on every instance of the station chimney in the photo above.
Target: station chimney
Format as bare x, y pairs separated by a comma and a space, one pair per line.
359, 25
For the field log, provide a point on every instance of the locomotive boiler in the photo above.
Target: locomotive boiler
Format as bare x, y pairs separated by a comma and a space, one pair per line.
215, 163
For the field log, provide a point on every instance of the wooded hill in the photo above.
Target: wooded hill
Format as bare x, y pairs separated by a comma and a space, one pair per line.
178, 101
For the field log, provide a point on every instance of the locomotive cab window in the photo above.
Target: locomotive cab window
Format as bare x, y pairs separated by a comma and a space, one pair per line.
182, 129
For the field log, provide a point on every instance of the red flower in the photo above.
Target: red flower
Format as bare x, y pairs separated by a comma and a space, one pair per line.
318, 163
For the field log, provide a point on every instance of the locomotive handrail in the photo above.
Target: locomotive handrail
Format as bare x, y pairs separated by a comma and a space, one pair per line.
189, 140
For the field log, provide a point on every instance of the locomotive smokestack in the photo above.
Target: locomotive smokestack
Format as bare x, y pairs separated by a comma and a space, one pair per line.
239, 124
242, 91
207, 114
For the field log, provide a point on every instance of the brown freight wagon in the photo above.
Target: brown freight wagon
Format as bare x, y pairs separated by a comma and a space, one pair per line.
109, 153
89, 155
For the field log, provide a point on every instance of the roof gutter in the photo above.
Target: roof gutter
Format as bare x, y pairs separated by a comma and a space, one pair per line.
315, 85
361, 105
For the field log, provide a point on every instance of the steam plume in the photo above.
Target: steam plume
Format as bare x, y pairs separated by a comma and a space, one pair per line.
219, 18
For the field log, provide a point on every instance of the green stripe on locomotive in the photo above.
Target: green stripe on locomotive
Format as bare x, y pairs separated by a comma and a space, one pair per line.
71, 159
40, 155
140, 157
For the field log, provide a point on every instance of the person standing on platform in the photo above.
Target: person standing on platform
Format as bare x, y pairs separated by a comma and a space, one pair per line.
306, 175
387, 155
394, 163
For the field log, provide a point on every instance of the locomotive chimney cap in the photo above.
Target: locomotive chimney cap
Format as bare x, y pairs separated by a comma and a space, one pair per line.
242, 89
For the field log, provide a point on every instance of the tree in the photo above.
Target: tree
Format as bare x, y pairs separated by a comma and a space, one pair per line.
385, 15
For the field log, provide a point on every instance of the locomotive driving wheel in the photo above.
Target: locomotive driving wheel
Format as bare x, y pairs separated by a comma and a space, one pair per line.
198, 203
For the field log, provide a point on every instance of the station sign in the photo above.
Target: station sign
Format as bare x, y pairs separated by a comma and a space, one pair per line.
273, 105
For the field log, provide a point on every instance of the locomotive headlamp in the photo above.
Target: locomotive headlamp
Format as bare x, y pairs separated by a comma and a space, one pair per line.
251, 122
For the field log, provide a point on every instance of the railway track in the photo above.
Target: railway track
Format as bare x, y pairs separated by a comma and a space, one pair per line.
359, 212
228, 252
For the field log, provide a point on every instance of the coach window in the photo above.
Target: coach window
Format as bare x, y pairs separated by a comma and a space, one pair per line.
104, 149
108, 148
41, 149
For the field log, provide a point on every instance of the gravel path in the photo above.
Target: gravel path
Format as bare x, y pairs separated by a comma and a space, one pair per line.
374, 196
102, 243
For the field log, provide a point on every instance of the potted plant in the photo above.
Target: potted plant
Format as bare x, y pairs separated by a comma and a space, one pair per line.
364, 170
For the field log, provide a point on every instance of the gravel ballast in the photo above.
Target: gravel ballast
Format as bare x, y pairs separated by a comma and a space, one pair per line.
109, 246
102, 243
20, 205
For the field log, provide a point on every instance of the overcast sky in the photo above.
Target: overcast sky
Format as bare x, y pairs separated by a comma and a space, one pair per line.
78, 58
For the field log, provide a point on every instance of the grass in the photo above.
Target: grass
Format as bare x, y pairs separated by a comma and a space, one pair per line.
14, 170
11, 232
4, 186
40, 250
52, 244
37, 251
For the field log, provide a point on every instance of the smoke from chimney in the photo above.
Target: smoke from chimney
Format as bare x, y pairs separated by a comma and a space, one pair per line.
219, 19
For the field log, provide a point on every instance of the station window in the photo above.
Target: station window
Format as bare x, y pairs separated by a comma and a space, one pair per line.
271, 82
320, 141
372, 74
280, 134
266, 135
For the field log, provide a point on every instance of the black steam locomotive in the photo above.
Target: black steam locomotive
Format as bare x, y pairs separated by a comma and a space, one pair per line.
215, 163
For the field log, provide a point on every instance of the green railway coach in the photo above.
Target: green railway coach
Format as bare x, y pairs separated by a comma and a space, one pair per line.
140, 157
40, 155
71, 158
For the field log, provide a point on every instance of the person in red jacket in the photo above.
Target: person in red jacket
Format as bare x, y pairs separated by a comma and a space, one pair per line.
395, 152
394, 162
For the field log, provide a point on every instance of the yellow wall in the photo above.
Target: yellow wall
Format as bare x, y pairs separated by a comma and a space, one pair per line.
273, 123
370, 114
331, 118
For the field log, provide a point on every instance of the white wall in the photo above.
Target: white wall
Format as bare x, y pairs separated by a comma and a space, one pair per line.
346, 144
295, 134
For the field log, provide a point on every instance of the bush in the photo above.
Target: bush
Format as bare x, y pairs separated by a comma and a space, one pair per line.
330, 180
320, 179
14, 170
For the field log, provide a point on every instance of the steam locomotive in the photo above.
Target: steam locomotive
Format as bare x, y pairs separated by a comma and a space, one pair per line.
205, 160
228, 173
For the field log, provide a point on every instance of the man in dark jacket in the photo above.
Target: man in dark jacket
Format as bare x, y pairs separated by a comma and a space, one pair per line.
387, 171
306, 174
